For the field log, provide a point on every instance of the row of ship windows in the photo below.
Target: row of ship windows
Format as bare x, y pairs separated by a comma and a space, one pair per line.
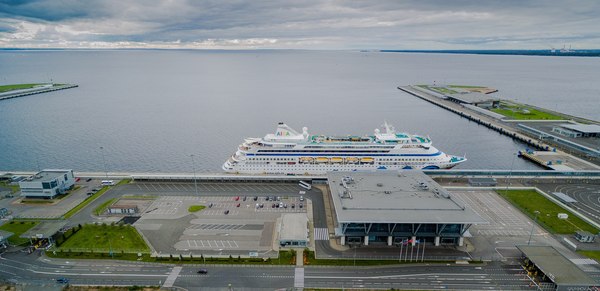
320, 151
293, 159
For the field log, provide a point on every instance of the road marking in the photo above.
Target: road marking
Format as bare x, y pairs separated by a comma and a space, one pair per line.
172, 277
321, 234
299, 278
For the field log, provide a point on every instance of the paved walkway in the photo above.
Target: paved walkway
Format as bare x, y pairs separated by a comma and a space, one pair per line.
172, 277
299, 271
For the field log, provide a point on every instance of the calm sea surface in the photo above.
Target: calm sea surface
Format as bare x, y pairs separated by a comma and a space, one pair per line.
150, 110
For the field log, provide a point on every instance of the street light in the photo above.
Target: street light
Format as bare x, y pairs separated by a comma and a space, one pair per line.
532, 225
194, 169
104, 161
510, 172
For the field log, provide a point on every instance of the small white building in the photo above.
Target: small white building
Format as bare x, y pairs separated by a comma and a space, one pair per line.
47, 184
123, 209
294, 230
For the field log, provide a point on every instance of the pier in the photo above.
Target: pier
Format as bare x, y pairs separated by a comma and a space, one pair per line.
32, 91
494, 124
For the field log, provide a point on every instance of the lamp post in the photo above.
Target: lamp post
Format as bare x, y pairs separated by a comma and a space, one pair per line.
532, 225
104, 161
194, 169
510, 172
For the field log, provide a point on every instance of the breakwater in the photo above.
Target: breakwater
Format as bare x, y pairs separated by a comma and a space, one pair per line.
27, 92
475, 117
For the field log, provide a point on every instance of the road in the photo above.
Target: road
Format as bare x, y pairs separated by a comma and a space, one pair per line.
37, 270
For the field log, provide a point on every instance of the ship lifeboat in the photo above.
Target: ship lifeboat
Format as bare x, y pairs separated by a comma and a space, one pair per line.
337, 160
351, 160
321, 160
306, 160
367, 160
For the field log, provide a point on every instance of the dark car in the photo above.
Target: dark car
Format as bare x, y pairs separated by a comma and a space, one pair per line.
62, 280
293, 206
237, 198
301, 205
262, 205
244, 198
255, 198
88, 179
238, 205
202, 271
226, 212
273, 205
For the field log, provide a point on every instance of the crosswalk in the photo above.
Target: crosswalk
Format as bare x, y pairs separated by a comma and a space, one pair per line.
321, 234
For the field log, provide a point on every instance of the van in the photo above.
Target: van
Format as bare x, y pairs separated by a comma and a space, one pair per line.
108, 182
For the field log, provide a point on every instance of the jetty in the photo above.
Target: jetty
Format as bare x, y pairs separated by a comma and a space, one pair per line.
490, 120
44, 88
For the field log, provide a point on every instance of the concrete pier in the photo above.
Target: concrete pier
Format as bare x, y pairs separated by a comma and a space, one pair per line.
32, 91
489, 122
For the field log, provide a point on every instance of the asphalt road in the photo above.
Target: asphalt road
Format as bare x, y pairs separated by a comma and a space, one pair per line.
42, 271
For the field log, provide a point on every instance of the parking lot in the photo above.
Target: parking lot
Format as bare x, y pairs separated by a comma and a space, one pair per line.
506, 227
238, 218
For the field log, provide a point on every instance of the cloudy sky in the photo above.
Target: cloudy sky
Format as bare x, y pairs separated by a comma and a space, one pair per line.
295, 24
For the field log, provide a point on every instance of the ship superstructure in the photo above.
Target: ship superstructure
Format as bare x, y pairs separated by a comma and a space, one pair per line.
289, 152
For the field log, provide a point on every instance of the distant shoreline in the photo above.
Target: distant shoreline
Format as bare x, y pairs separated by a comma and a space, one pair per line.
570, 53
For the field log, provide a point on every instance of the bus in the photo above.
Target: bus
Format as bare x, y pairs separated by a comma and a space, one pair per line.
108, 183
304, 185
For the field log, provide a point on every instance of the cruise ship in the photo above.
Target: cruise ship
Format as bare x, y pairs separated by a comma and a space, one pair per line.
288, 152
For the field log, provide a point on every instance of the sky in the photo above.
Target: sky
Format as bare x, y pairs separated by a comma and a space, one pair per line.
306, 24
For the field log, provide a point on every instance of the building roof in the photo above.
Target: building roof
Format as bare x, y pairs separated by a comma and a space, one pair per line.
472, 97
46, 175
584, 128
293, 227
5, 235
395, 197
44, 229
557, 267
122, 206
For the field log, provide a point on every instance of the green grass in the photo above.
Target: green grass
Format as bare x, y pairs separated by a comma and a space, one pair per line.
591, 254
196, 208
529, 201
466, 86
105, 238
102, 207
515, 111
18, 228
123, 182
13, 188
85, 202
6, 88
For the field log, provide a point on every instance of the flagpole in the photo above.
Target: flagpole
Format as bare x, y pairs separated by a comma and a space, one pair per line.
423, 255
401, 246
406, 255
411, 251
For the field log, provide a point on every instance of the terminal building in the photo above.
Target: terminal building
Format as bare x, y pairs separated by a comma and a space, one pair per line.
47, 184
391, 207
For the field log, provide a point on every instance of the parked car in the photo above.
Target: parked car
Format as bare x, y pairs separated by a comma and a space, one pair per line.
202, 271
280, 204
301, 205
262, 205
273, 205
255, 198
62, 280
285, 205
237, 198
301, 198
226, 212
238, 205
293, 206
88, 179
244, 198
210, 205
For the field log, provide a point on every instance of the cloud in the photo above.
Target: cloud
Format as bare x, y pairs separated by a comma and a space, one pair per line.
318, 24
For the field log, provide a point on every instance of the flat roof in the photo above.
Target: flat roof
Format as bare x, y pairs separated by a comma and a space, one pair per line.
395, 197
47, 175
5, 234
294, 227
557, 267
585, 128
44, 229
472, 97
564, 197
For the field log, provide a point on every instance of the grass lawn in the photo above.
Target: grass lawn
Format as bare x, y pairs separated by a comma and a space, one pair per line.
106, 238
6, 88
516, 111
466, 86
85, 202
13, 188
102, 207
529, 201
196, 208
18, 228
591, 254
